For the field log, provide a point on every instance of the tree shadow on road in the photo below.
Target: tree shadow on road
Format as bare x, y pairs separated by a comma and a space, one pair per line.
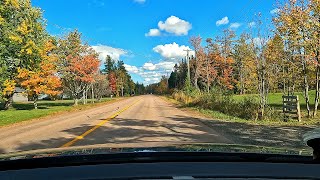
121, 131
261, 135
180, 129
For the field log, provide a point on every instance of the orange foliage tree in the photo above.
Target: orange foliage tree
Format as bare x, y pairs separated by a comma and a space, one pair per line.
80, 72
42, 80
112, 82
219, 66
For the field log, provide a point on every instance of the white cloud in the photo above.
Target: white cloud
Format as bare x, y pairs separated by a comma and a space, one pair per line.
151, 77
252, 24
175, 26
235, 25
149, 66
152, 73
153, 32
139, 1
163, 66
131, 69
275, 11
222, 21
166, 66
172, 25
149, 74
104, 50
172, 51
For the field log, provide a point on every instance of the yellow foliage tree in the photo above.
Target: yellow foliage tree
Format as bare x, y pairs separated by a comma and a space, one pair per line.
44, 79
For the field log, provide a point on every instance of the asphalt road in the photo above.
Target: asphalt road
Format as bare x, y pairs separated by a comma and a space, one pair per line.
136, 121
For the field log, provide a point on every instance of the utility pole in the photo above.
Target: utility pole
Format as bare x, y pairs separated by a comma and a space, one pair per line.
188, 63
207, 58
167, 80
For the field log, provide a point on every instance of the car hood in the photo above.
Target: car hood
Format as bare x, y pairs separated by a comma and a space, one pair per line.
101, 149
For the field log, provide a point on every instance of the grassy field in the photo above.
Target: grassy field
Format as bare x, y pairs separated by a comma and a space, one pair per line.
275, 99
25, 111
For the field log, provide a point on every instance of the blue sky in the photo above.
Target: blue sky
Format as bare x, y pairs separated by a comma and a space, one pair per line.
150, 35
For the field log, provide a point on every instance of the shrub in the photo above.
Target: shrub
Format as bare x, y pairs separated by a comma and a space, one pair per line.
247, 108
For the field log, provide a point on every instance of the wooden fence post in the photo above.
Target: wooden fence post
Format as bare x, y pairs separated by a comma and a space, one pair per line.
291, 106
298, 109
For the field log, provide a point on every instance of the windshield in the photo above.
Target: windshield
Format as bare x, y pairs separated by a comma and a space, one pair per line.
147, 73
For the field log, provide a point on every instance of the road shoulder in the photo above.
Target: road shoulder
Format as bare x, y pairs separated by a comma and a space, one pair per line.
74, 109
250, 133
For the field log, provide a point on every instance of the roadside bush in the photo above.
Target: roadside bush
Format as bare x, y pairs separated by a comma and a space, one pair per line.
271, 114
182, 97
246, 108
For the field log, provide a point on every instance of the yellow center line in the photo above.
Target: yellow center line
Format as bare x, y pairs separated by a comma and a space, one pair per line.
70, 143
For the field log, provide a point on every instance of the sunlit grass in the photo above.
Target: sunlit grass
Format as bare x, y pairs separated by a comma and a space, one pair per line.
25, 111
275, 99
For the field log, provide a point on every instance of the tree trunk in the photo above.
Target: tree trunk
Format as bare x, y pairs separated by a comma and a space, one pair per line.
195, 82
35, 101
263, 94
316, 99
262, 87
122, 91
241, 82
208, 86
92, 94
84, 97
76, 101
8, 102
306, 86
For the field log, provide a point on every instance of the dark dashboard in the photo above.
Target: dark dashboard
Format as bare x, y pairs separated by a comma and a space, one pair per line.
164, 165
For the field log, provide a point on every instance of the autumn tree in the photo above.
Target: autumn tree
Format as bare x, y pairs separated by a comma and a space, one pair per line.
112, 82
220, 61
314, 21
245, 66
276, 64
293, 24
100, 86
44, 79
78, 65
209, 71
22, 33
198, 61
162, 86
110, 70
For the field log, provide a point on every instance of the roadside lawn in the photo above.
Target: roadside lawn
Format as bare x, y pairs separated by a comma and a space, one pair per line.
25, 111
274, 100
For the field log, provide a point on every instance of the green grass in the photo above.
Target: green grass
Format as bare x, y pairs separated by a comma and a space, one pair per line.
25, 111
275, 99
224, 117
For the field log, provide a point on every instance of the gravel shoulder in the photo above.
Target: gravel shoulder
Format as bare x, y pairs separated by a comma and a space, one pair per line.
253, 134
